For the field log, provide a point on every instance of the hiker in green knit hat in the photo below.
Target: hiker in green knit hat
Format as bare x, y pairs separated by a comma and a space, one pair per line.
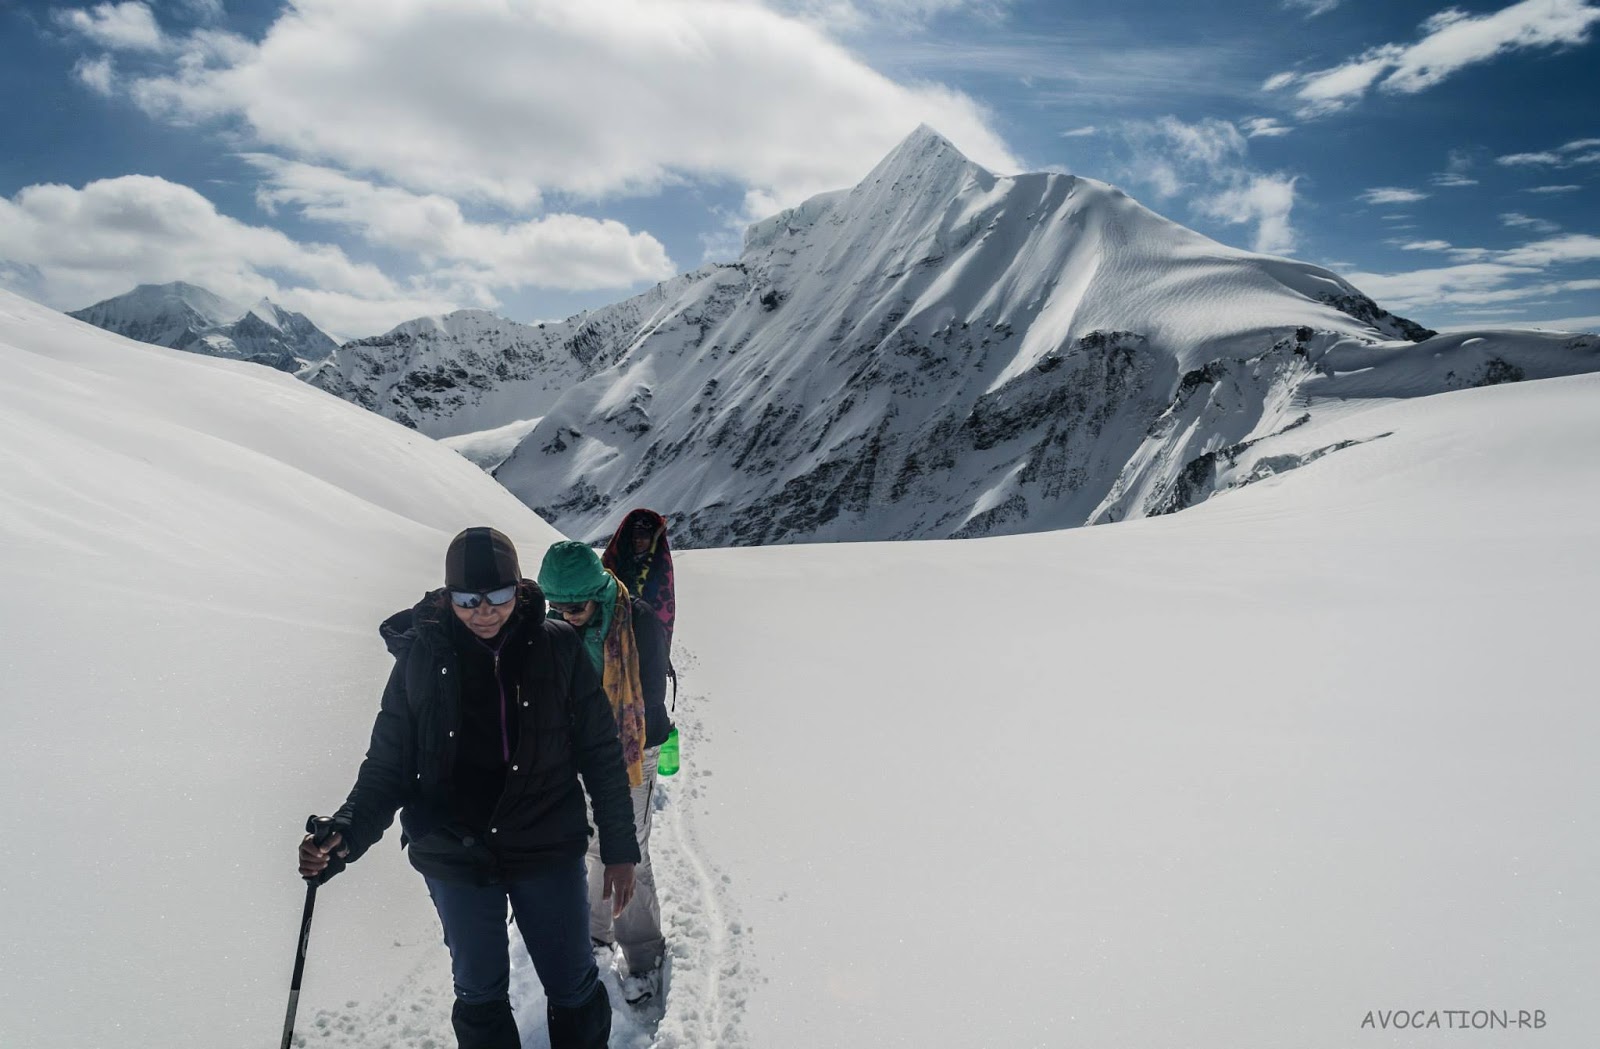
628, 646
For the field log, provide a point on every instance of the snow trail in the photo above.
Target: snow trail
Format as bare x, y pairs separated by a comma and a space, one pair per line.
709, 974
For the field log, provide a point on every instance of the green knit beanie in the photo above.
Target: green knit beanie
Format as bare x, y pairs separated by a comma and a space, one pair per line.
572, 573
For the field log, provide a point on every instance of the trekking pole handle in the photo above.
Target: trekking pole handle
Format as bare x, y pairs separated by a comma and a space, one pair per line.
320, 828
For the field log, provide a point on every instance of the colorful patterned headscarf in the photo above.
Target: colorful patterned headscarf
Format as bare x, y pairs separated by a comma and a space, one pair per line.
648, 576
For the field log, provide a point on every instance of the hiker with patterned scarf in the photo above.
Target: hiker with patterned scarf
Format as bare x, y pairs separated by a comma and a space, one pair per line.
640, 555
628, 646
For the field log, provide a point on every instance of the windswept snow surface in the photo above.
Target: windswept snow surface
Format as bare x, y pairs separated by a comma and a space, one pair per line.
1223, 779
489, 448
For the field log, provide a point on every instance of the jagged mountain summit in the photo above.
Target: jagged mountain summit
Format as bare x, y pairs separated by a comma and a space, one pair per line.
942, 352
188, 317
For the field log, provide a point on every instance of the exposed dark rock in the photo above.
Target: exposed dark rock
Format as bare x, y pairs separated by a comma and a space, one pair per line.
1368, 312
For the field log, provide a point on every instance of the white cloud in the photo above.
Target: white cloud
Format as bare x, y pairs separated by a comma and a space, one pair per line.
1081, 132
78, 246
118, 27
1454, 175
1265, 200
1589, 324
205, 10
1529, 158
1209, 158
1265, 127
1451, 41
1426, 245
569, 252
1573, 153
566, 96
853, 15
1552, 189
1468, 284
1484, 278
96, 74
1516, 220
1392, 195
1312, 8
1570, 247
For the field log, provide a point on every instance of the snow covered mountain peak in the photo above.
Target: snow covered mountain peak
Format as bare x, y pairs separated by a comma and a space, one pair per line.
937, 351
186, 316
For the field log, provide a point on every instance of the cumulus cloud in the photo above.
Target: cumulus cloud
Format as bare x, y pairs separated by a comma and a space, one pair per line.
1392, 195
565, 97
77, 246
569, 252
1426, 245
1451, 41
1208, 160
117, 27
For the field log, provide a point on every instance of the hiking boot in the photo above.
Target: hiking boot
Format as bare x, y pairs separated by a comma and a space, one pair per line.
639, 988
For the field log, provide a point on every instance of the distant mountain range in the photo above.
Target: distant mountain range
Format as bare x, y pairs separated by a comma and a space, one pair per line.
187, 317
936, 352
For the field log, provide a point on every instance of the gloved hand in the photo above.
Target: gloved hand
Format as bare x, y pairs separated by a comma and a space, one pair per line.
322, 851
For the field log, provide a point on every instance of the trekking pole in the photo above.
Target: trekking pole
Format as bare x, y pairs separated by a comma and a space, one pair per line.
319, 829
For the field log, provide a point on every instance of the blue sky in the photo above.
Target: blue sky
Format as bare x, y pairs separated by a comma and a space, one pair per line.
367, 161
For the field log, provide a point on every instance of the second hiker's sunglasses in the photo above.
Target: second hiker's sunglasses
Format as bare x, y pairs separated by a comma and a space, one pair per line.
472, 599
568, 610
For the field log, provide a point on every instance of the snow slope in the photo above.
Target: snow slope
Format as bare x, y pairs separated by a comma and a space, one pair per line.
1222, 779
197, 553
1230, 778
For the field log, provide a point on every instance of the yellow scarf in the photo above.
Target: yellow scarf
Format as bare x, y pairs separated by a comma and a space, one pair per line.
620, 676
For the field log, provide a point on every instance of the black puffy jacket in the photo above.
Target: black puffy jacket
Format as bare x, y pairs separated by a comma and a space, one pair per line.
565, 728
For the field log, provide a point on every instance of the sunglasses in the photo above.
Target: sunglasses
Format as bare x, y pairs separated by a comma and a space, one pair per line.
472, 599
568, 610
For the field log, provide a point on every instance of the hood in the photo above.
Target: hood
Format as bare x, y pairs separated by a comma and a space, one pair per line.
622, 546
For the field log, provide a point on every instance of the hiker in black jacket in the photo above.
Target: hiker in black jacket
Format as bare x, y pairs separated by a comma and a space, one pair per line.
491, 714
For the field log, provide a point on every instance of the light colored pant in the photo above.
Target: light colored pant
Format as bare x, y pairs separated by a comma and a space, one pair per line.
637, 933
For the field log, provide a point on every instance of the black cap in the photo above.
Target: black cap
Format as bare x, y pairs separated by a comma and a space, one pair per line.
480, 559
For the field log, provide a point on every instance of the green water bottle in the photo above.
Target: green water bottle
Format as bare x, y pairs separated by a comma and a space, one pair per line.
667, 762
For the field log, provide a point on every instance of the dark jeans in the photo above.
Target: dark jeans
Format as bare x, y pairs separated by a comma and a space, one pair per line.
552, 909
